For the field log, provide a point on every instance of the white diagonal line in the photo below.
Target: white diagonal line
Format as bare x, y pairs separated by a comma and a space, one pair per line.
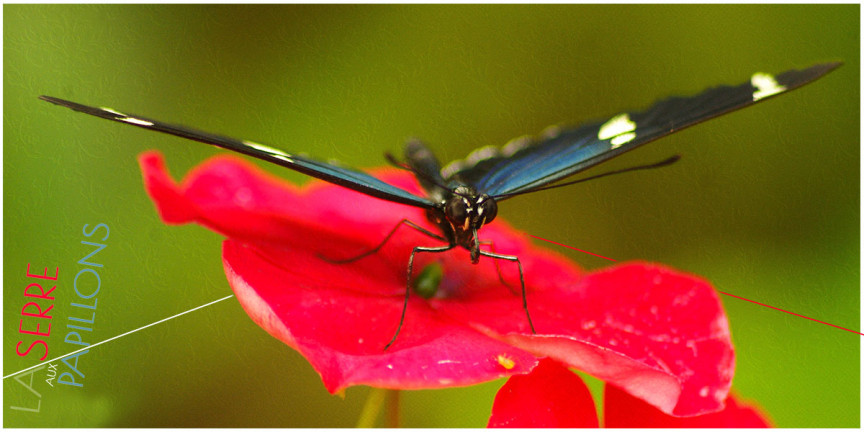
119, 336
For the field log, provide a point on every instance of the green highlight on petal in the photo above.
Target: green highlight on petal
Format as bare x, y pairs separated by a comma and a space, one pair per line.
427, 282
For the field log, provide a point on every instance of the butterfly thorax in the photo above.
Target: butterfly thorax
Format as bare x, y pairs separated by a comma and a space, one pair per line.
460, 209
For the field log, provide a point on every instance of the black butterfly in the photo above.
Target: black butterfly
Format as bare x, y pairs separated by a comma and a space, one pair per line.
463, 196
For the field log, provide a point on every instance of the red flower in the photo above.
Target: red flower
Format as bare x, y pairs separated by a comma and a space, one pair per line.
552, 396
660, 335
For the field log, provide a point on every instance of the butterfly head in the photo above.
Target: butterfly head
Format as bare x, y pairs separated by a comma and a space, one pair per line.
466, 211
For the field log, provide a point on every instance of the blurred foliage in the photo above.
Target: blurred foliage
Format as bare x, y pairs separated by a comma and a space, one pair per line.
765, 202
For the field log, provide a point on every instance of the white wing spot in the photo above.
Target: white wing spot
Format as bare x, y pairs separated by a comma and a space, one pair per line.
619, 128
765, 85
136, 121
285, 158
482, 153
515, 145
112, 111
551, 132
622, 139
267, 149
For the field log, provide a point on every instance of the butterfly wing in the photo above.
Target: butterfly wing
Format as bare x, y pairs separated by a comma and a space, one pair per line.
523, 165
345, 177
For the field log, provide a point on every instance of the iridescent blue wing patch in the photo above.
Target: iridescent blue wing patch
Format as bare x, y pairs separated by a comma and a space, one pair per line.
524, 164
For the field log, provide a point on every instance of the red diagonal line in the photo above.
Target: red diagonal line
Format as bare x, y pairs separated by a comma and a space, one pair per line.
792, 313
571, 247
721, 292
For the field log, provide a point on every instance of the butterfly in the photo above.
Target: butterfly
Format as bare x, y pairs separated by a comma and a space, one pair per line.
463, 196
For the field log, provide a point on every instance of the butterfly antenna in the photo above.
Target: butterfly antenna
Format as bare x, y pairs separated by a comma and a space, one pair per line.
397, 163
663, 163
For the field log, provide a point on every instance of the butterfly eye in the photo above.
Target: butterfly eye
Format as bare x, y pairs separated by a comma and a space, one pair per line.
488, 209
456, 210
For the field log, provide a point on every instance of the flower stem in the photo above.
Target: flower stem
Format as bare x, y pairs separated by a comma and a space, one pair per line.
373, 406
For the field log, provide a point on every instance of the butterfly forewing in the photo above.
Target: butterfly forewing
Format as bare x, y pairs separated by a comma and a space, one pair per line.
521, 166
571, 151
346, 177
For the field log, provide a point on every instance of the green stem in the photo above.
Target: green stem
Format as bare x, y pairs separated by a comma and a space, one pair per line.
372, 407
374, 404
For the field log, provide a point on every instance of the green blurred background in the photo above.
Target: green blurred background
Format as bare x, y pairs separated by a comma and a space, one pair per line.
765, 202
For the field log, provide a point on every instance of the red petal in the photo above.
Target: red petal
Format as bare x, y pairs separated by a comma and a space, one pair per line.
342, 331
659, 334
623, 410
233, 197
173, 207
550, 396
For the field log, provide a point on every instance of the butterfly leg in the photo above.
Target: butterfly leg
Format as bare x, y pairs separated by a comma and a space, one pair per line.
521, 281
386, 238
408, 283
498, 268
